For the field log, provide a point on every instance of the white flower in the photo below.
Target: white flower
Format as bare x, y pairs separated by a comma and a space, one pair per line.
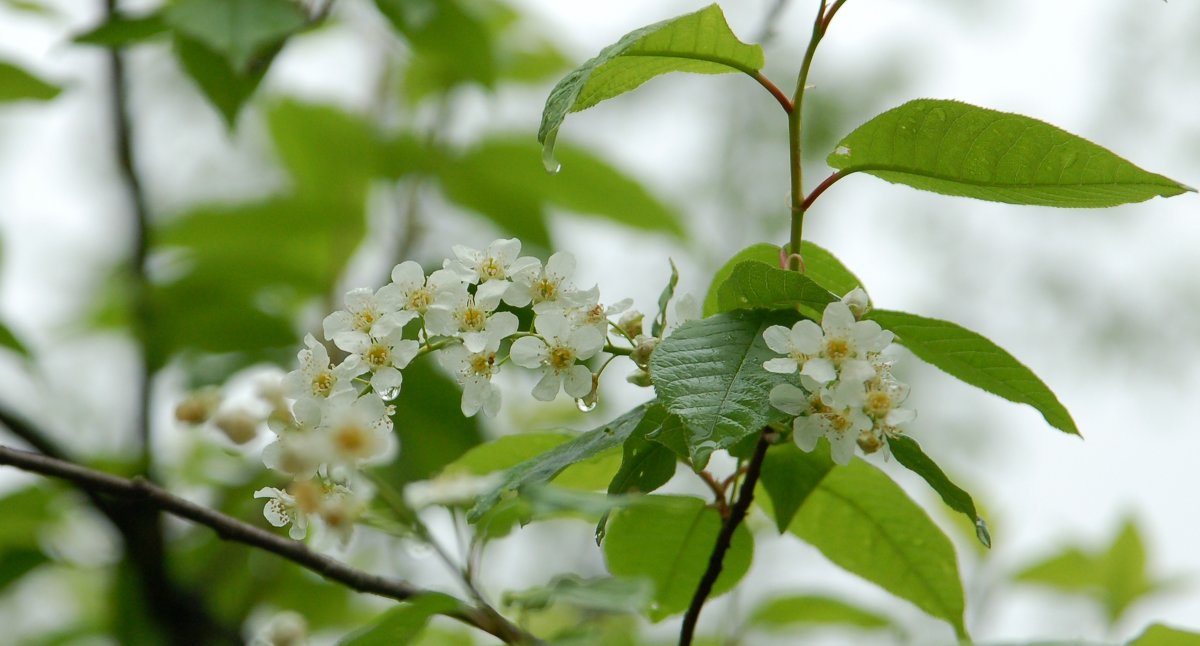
476, 321
590, 312
367, 314
297, 452
341, 507
356, 429
474, 371
840, 349
285, 629
556, 352
282, 509
417, 293
384, 356
493, 268
316, 377
549, 287
817, 419
238, 424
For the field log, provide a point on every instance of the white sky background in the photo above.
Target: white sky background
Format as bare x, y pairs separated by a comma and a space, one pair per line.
1103, 305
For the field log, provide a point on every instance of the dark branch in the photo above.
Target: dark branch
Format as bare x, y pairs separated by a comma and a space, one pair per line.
229, 528
716, 561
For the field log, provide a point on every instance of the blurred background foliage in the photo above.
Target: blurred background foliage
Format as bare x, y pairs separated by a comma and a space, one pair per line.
267, 200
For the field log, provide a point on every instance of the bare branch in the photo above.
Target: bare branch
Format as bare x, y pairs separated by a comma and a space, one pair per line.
232, 529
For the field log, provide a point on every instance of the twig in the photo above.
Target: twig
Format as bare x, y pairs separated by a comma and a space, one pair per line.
232, 529
725, 538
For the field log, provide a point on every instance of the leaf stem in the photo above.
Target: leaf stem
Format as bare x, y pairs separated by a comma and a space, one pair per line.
144, 492
775, 91
829, 181
725, 538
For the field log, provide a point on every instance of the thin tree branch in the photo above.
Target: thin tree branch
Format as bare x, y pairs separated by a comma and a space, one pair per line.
716, 560
229, 528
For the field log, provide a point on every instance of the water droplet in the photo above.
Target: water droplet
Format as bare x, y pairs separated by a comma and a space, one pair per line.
548, 160
586, 404
982, 533
842, 151
388, 394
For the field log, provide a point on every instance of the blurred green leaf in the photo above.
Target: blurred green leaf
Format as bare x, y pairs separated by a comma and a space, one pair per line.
753, 284
668, 539
866, 524
699, 42
10, 341
549, 464
26, 512
606, 594
331, 154
16, 563
224, 87
18, 85
1117, 577
788, 612
908, 453
402, 624
429, 400
789, 476
975, 360
954, 148
709, 372
237, 30
30, 6
451, 43
503, 179
122, 31
1161, 635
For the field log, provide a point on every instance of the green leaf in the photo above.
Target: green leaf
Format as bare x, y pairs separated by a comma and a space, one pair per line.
699, 42
789, 476
18, 85
664, 299
224, 87
1117, 577
122, 31
767, 254
237, 30
401, 624
545, 466
502, 179
709, 372
975, 360
908, 453
826, 270
429, 400
820, 266
1161, 635
866, 524
954, 148
785, 613
755, 285
645, 465
10, 341
668, 539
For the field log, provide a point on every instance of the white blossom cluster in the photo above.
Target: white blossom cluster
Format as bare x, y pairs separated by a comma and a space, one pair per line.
848, 393
330, 419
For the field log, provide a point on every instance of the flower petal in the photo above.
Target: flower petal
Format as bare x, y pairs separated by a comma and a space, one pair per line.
528, 352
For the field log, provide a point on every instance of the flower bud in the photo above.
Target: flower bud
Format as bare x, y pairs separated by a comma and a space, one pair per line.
858, 302
642, 351
639, 377
198, 406
631, 323
239, 425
